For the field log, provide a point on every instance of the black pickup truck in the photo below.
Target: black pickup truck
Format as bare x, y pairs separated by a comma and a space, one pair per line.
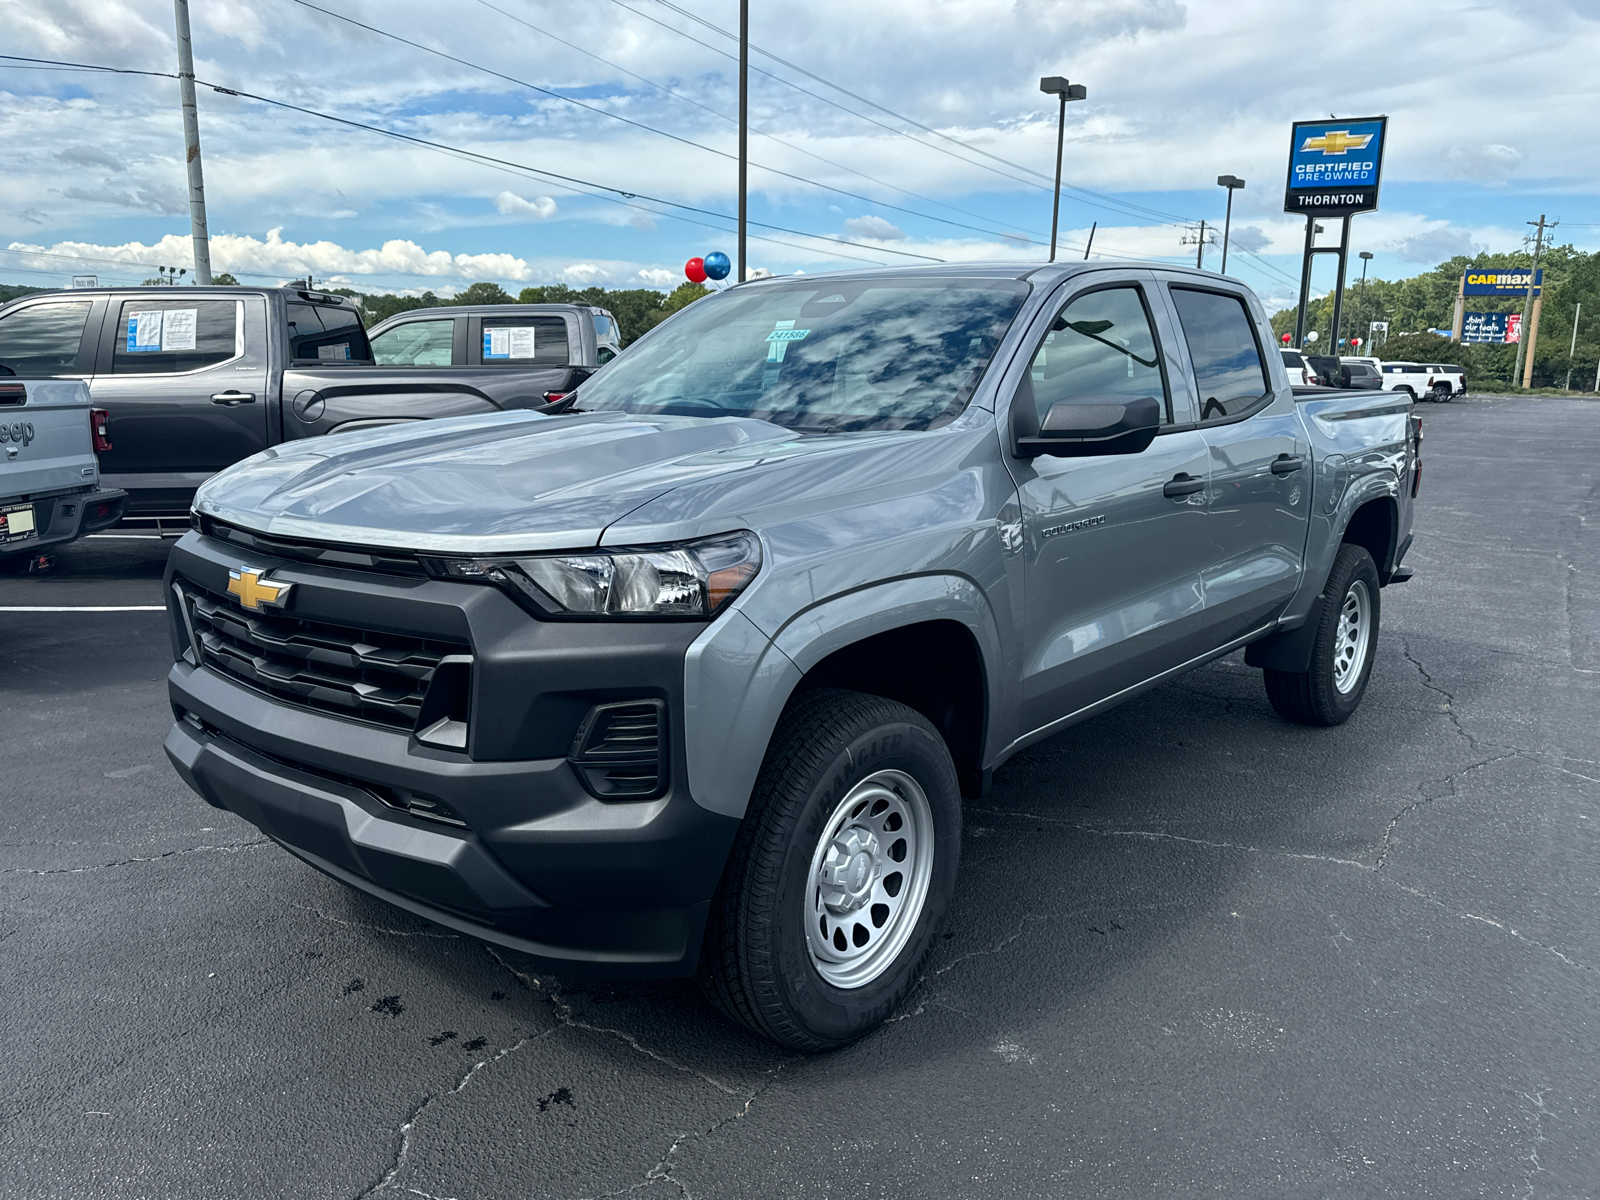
198, 378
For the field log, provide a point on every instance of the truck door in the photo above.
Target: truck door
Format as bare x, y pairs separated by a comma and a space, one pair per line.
185, 382
1260, 496
1113, 546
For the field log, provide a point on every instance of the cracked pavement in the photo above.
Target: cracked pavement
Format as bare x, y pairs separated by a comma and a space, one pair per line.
1194, 950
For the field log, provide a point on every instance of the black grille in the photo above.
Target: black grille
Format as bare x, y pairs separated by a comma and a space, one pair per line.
620, 749
379, 678
388, 562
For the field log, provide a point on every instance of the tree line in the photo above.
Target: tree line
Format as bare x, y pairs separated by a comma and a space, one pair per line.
1427, 301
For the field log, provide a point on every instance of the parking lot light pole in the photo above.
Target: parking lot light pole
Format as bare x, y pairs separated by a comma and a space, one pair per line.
1055, 85
1230, 182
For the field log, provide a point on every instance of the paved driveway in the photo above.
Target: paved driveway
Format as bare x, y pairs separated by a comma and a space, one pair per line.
1195, 950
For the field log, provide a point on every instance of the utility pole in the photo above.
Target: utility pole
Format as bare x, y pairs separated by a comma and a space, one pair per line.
744, 122
1200, 247
1090, 246
1573, 346
1525, 335
191, 140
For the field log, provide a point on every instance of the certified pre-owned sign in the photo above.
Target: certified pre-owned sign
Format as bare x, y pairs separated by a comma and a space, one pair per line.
1335, 166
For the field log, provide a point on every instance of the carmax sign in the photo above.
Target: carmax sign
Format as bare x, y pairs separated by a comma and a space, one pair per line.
1501, 283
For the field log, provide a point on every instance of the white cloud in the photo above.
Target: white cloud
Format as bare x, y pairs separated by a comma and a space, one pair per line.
660, 277
585, 273
540, 208
873, 228
1487, 161
1436, 245
1249, 238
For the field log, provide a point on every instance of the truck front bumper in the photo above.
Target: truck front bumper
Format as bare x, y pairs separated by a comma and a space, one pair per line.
517, 851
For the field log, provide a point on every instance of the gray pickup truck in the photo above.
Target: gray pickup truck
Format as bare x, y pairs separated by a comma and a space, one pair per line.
693, 675
50, 491
195, 379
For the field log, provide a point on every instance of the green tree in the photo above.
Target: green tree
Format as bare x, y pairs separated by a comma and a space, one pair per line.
223, 279
483, 293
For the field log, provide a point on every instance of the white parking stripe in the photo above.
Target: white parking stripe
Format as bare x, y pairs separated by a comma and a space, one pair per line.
83, 608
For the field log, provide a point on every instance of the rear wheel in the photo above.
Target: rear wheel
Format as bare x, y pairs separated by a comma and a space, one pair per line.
840, 874
1441, 393
1342, 652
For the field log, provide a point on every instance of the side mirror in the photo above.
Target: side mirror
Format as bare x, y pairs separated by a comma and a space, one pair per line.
1084, 430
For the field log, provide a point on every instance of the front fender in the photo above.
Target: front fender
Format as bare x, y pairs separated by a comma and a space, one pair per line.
737, 682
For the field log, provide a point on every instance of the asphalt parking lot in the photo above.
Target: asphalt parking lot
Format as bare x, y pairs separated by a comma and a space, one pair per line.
1195, 950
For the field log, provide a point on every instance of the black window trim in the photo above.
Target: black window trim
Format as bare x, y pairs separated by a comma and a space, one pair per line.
83, 367
1138, 285
457, 359
113, 330
1264, 400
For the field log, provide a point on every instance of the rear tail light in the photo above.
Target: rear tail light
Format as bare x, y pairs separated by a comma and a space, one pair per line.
98, 420
552, 397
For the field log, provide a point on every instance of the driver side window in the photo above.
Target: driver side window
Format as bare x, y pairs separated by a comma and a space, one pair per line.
1100, 349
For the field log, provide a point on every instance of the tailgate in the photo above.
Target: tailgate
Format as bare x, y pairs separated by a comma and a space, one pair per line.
45, 442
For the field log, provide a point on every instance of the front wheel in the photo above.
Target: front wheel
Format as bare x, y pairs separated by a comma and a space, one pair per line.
1342, 652
839, 876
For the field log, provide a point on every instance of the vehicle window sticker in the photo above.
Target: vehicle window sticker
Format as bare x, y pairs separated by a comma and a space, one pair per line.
339, 353
497, 342
144, 332
783, 332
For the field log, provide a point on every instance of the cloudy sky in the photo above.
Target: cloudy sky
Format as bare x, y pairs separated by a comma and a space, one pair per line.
606, 114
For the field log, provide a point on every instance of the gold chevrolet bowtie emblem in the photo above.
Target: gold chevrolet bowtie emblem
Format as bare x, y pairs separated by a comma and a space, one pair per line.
1337, 141
253, 591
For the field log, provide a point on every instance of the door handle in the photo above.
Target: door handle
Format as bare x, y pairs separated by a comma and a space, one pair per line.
232, 398
1285, 463
1183, 484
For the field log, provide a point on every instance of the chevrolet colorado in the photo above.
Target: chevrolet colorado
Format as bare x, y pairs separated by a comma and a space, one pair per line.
692, 675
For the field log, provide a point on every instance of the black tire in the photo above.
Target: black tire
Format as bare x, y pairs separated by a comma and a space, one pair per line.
757, 966
1441, 394
1313, 697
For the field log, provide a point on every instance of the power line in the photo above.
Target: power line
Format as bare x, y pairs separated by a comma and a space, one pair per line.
630, 121
772, 137
575, 183
1126, 208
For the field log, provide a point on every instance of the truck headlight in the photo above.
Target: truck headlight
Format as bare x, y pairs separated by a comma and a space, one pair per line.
689, 579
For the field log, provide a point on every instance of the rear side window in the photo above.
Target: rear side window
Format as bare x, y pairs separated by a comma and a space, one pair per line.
1099, 349
1291, 359
415, 344
524, 341
326, 332
1223, 348
43, 339
605, 329
163, 336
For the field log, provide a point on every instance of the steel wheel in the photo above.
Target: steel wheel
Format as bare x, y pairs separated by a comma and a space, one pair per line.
869, 878
1352, 637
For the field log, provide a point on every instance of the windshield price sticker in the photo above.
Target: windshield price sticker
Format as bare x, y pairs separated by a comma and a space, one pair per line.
509, 341
171, 330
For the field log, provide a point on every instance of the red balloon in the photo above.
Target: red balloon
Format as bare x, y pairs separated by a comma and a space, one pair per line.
695, 269
1286, 338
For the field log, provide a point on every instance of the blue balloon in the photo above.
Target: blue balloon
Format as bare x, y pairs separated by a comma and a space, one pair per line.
717, 265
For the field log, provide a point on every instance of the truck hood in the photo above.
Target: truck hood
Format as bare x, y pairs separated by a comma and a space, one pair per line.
517, 481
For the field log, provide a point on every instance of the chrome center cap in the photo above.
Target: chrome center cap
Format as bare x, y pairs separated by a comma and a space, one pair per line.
850, 869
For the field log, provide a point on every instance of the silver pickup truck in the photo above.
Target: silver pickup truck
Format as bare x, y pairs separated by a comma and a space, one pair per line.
692, 676
50, 489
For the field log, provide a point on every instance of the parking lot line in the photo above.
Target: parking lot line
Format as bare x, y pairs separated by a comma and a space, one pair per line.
83, 608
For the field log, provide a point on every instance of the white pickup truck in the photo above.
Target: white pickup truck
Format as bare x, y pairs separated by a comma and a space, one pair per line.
1424, 381
50, 489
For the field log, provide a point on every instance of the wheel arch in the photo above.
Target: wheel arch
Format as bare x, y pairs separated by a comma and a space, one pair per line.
877, 639
1374, 525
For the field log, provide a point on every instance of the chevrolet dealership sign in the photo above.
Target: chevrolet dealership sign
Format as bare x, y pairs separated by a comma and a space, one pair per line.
1335, 166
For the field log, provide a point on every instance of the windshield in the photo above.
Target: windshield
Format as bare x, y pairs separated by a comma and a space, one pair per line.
824, 356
